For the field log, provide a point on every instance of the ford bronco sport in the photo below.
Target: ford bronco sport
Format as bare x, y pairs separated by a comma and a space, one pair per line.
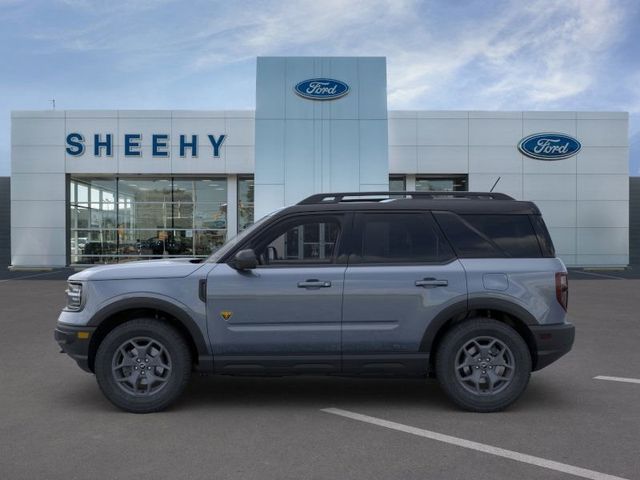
462, 286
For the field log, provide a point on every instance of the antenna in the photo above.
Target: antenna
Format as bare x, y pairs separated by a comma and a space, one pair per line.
53, 103
494, 185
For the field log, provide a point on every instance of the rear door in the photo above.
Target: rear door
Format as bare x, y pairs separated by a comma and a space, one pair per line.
401, 274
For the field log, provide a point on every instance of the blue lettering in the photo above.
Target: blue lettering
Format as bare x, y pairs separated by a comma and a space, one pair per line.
159, 142
216, 145
103, 144
131, 141
193, 145
75, 144
98, 145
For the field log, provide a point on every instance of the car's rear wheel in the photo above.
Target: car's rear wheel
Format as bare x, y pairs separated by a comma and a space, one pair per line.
483, 365
143, 365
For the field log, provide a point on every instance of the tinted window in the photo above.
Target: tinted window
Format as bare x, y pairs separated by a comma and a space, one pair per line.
490, 236
302, 241
546, 245
400, 238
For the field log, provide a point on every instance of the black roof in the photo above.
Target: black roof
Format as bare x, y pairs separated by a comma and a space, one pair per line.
458, 202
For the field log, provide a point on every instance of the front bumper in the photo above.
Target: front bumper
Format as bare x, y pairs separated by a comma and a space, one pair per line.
552, 342
75, 341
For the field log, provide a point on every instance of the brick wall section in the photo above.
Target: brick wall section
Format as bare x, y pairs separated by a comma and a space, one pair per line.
634, 221
5, 222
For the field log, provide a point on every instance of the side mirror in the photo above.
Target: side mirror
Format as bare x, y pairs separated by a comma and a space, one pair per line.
245, 260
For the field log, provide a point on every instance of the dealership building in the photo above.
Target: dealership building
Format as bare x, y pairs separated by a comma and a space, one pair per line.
97, 186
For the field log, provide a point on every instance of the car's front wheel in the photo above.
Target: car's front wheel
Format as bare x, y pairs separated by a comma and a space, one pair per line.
143, 365
483, 365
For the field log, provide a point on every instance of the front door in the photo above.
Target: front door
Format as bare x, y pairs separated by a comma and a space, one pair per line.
286, 313
401, 274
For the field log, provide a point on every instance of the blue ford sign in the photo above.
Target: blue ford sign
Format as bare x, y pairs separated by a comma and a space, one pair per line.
322, 89
549, 146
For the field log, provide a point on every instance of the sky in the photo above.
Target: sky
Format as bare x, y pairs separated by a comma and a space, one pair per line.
441, 55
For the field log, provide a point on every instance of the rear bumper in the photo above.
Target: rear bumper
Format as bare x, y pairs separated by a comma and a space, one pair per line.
74, 345
552, 342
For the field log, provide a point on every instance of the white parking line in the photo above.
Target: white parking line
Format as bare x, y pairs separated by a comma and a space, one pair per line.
480, 447
617, 379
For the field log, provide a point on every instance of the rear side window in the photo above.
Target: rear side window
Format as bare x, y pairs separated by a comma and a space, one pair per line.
490, 235
399, 238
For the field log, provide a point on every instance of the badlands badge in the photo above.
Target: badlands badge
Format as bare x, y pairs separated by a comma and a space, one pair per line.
226, 314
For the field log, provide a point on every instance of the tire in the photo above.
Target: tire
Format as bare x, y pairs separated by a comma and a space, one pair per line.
471, 365
143, 365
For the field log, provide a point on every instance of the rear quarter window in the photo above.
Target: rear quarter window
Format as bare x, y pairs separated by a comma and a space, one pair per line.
490, 235
546, 245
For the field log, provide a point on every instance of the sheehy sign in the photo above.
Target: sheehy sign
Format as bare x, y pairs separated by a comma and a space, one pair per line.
76, 144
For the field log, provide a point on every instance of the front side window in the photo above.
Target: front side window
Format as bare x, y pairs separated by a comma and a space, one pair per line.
303, 241
400, 238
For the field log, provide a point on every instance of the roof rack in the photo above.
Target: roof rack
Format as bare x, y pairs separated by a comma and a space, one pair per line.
382, 196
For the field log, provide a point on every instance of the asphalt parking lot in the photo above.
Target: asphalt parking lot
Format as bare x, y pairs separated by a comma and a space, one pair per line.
54, 423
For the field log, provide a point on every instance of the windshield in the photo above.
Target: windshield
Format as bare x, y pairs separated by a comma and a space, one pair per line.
232, 242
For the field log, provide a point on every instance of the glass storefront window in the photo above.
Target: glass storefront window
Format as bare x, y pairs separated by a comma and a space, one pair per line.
83, 195
442, 183
397, 183
127, 219
145, 190
211, 215
183, 191
92, 218
245, 202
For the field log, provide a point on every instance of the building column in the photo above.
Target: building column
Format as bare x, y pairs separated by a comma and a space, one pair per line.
410, 183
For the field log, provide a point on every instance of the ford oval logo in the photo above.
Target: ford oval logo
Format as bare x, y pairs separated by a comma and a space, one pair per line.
549, 146
322, 89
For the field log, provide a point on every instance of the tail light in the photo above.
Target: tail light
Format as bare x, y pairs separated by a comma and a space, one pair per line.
562, 289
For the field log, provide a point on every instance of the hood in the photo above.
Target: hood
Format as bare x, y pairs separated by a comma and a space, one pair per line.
174, 268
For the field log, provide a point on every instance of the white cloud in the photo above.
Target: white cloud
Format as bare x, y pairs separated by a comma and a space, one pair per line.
311, 27
528, 58
527, 55
557, 54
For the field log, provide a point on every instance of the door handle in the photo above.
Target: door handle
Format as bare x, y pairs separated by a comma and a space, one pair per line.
313, 283
431, 283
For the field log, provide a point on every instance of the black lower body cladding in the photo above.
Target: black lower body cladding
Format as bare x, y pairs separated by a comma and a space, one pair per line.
74, 341
552, 342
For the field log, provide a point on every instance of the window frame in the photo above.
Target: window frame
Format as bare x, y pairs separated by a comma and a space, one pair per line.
355, 253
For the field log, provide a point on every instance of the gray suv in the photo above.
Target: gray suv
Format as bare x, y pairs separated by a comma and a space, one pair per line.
462, 286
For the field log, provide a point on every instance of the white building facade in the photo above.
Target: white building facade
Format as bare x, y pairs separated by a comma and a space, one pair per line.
116, 185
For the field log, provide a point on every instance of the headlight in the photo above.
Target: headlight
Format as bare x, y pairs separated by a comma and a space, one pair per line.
74, 296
